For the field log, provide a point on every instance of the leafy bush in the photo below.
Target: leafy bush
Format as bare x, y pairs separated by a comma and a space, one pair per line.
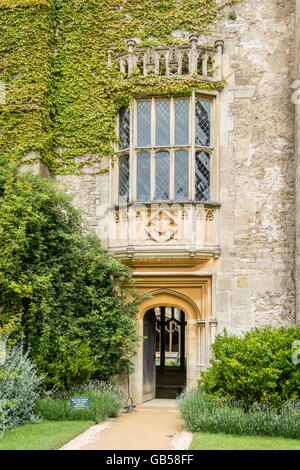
75, 303
254, 368
105, 402
202, 413
19, 388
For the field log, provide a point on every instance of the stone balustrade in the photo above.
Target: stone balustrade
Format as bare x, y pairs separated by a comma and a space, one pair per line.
190, 59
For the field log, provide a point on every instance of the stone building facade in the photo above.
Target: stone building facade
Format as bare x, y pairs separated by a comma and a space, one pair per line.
232, 260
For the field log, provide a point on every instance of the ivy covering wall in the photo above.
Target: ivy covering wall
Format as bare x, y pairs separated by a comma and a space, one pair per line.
62, 99
26, 68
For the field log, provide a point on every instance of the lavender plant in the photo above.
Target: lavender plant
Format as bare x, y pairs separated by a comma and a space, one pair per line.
203, 413
20, 387
105, 402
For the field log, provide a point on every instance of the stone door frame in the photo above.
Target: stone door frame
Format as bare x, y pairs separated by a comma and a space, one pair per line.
192, 294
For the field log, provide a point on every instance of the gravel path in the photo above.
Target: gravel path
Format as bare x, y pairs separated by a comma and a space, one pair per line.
155, 425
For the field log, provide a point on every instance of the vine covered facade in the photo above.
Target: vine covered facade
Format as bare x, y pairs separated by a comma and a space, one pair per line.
173, 124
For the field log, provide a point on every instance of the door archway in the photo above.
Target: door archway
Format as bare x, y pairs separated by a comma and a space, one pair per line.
169, 299
164, 358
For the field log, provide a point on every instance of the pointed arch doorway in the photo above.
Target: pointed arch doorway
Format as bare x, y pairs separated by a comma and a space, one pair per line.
190, 294
164, 358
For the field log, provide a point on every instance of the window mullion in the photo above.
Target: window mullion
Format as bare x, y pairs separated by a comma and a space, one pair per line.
132, 153
192, 147
152, 191
172, 122
172, 174
153, 143
172, 143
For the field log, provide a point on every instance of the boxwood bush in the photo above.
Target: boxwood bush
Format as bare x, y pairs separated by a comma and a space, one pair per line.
256, 367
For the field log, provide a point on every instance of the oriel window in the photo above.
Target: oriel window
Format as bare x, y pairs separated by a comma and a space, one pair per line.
167, 154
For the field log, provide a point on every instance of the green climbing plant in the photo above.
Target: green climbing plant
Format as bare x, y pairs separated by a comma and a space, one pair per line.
62, 98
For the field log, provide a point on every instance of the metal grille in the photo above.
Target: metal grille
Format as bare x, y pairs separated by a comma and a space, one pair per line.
181, 122
203, 123
162, 176
144, 124
181, 179
162, 122
202, 177
124, 179
124, 127
143, 177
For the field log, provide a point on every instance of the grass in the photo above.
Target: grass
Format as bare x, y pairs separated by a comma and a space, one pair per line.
46, 435
207, 441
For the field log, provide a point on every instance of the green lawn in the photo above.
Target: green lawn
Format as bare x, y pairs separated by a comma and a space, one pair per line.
47, 435
207, 441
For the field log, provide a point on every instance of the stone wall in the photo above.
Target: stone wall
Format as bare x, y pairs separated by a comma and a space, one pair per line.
255, 273
296, 100
253, 279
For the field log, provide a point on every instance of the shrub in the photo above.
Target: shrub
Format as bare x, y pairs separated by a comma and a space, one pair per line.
105, 402
254, 368
19, 388
76, 304
202, 413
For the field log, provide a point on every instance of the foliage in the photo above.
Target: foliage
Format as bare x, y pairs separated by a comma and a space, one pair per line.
202, 413
46, 435
26, 50
64, 104
105, 402
75, 303
19, 388
256, 367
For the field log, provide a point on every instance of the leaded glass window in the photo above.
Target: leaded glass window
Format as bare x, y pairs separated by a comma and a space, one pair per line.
124, 128
162, 121
171, 153
182, 122
144, 124
181, 177
162, 176
143, 176
202, 182
124, 179
202, 123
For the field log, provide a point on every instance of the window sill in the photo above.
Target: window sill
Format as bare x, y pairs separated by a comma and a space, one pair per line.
148, 203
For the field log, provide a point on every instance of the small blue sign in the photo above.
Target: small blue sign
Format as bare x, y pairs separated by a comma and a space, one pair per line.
81, 402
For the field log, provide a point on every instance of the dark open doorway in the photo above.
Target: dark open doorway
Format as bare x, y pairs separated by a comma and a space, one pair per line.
164, 372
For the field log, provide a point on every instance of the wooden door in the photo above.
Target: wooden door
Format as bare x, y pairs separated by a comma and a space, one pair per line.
149, 370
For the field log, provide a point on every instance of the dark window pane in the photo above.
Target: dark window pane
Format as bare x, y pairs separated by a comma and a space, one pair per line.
124, 127
181, 122
202, 181
203, 123
144, 124
162, 178
181, 181
124, 179
162, 122
143, 177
